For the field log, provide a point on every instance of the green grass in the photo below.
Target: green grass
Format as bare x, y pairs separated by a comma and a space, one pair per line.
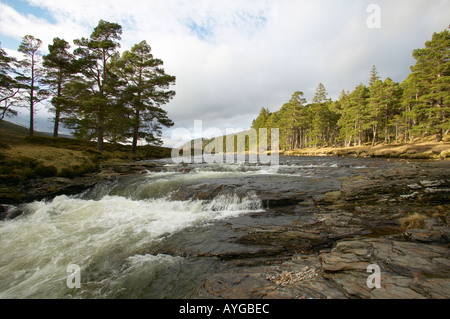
10, 132
23, 158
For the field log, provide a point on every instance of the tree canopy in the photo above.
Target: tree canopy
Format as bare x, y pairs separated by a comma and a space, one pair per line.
384, 111
94, 90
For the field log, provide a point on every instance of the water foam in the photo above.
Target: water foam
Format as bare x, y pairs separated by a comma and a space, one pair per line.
38, 247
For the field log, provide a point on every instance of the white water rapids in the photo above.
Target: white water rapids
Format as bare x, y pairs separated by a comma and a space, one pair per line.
37, 249
107, 232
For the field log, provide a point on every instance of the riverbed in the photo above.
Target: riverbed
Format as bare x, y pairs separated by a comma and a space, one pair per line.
239, 230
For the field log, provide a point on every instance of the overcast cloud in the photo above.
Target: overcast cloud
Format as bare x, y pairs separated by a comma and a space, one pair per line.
233, 57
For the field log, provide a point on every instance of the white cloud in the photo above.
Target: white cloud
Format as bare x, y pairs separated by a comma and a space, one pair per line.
233, 57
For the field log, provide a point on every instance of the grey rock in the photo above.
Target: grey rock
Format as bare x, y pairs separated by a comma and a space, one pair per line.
401, 264
426, 235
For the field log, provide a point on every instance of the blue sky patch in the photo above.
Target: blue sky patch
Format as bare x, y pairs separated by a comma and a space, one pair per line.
203, 32
25, 8
9, 42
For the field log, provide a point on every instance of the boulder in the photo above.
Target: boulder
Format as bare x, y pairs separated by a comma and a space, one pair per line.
408, 269
426, 236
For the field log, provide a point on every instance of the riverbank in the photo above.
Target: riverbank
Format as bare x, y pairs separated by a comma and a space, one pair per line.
309, 229
34, 168
424, 149
394, 217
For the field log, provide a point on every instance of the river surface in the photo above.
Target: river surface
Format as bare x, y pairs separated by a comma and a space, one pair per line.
159, 234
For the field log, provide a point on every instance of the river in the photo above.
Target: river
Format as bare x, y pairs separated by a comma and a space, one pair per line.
159, 234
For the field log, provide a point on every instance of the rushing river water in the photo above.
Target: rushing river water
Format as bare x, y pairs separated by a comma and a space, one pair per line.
118, 232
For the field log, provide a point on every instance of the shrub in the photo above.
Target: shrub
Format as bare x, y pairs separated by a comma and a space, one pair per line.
79, 170
45, 171
415, 220
4, 146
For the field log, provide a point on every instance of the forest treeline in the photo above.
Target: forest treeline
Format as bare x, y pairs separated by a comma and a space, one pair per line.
384, 111
94, 90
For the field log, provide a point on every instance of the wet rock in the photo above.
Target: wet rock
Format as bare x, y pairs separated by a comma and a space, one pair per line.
3, 211
347, 255
351, 283
129, 167
290, 277
240, 285
275, 190
295, 278
435, 288
54, 186
426, 236
13, 212
338, 234
402, 265
316, 236
396, 287
430, 223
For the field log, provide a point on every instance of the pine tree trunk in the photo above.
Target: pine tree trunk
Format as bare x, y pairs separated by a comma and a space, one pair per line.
31, 112
32, 99
100, 130
56, 127
135, 132
441, 119
57, 109
374, 135
396, 133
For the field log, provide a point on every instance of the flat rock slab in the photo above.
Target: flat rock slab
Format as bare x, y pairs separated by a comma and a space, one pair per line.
408, 269
339, 234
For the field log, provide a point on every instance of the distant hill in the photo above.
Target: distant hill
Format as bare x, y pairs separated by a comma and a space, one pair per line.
239, 136
13, 132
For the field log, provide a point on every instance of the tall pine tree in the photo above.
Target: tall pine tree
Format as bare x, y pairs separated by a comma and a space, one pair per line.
30, 75
59, 65
358, 101
95, 90
9, 87
146, 91
432, 71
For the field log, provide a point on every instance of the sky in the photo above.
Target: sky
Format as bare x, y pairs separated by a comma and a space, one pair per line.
231, 58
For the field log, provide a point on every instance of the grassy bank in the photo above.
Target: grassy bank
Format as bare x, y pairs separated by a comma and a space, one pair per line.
421, 149
25, 158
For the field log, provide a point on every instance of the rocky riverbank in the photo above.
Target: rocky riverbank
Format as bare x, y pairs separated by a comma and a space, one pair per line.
321, 246
49, 187
418, 150
324, 222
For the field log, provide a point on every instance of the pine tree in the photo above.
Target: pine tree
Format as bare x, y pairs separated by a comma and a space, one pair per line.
323, 119
320, 95
9, 87
59, 64
391, 101
384, 104
95, 90
30, 76
272, 122
303, 117
261, 119
291, 121
358, 101
432, 71
413, 107
145, 93
373, 76
384, 109
375, 108
345, 121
